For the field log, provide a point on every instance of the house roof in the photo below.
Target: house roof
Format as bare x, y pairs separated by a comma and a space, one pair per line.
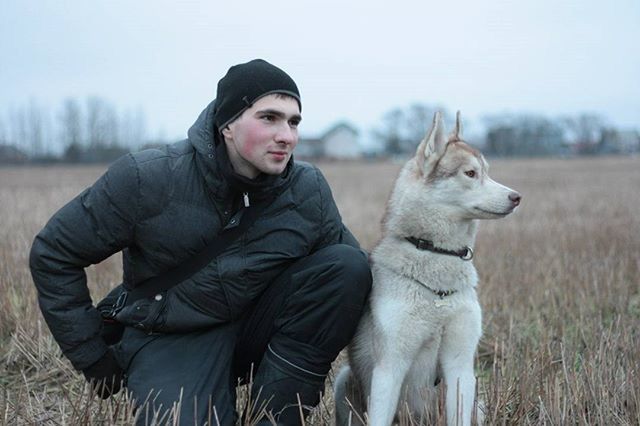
339, 126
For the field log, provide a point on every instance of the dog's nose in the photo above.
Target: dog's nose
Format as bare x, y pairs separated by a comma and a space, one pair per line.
515, 198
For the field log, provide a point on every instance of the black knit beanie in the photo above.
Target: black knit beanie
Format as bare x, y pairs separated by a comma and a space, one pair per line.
246, 83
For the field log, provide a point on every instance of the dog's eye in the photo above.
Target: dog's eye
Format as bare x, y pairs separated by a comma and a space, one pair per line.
470, 173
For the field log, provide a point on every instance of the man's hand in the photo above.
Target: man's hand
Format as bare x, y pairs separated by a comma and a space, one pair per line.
105, 375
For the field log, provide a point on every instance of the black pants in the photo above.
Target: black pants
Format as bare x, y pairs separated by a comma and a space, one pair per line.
302, 320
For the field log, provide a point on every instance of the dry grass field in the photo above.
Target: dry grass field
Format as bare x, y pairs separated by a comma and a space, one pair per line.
560, 289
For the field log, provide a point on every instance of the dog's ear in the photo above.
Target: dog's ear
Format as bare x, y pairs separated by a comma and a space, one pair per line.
432, 146
457, 132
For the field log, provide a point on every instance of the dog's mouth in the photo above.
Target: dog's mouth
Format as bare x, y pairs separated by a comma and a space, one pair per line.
493, 212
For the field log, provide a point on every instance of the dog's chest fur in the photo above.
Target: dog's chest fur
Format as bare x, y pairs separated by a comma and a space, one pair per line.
404, 280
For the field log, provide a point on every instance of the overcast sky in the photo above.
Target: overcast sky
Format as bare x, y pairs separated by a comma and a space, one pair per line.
351, 60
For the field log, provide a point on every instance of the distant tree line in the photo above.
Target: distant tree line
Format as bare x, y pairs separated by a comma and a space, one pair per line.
512, 134
93, 131
78, 132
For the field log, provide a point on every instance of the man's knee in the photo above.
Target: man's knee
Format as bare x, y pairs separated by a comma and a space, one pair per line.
351, 277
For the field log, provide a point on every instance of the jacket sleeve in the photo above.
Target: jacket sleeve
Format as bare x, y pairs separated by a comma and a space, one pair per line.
96, 224
332, 230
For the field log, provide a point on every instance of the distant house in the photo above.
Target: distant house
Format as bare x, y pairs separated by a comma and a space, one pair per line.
309, 148
339, 142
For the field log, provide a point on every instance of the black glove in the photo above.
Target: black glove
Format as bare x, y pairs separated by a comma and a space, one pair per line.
105, 375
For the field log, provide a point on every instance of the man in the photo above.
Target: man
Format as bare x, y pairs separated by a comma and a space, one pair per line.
279, 303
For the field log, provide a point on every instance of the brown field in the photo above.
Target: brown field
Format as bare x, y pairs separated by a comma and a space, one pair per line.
560, 289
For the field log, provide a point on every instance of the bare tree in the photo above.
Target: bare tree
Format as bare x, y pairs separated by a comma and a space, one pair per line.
390, 134
9, 152
4, 133
95, 127
103, 133
418, 120
524, 135
70, 122
35, 128
403, 129
132, 128
111, 127
95, 133
586, 132
139, 128
18, 128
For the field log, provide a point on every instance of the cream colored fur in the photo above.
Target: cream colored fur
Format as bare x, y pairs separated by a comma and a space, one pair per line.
409, 337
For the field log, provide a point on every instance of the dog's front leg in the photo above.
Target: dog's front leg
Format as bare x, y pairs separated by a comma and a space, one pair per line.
460, 393
459, 344
386, 384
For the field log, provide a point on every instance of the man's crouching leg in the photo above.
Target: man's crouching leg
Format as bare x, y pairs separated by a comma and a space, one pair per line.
181, 378
300, 325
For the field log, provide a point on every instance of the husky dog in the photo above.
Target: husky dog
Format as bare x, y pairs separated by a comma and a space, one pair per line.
423, 320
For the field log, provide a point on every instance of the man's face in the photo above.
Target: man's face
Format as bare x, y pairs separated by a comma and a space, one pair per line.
264, 136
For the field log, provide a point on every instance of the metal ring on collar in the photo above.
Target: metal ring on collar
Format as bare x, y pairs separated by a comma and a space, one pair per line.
468, 255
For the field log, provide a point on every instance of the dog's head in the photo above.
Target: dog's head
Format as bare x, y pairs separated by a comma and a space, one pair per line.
456, 176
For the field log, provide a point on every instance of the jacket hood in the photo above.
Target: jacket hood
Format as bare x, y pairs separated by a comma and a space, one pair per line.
204, 132
214, 162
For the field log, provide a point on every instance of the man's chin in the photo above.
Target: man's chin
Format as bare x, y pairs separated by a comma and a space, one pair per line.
275, 169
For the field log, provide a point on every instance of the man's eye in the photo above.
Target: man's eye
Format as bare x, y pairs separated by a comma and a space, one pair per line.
294, 123
268, 117
470, 173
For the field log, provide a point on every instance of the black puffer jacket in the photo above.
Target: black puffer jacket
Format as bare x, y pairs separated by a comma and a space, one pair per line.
161, 207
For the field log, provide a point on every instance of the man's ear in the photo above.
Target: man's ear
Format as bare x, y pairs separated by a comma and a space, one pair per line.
227, 133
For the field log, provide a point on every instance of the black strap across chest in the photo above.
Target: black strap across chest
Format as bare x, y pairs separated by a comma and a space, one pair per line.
163, 282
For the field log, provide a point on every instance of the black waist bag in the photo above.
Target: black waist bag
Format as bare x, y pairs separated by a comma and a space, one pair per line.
120, 296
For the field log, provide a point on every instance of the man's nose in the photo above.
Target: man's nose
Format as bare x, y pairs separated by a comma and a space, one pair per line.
287, 134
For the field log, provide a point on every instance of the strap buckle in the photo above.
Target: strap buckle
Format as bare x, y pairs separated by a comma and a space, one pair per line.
121, 301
